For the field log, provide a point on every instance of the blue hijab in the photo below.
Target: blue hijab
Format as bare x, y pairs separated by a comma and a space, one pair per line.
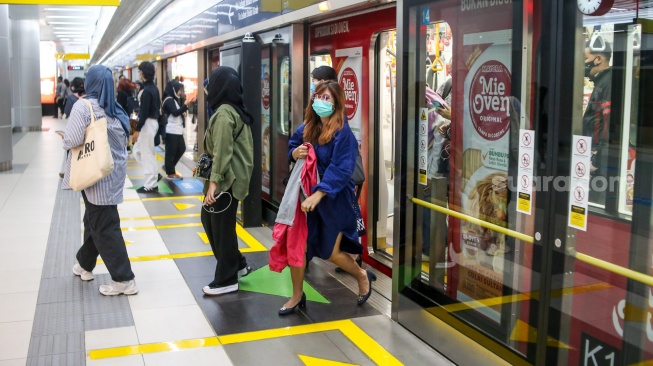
99, 85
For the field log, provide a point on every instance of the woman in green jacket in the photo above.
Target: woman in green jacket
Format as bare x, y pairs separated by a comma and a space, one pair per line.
229, 143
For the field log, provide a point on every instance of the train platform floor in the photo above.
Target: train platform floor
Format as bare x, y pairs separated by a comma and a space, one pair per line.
50, 317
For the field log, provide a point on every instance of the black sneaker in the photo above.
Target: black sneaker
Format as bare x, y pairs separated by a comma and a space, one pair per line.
147, 190
158, 178
244, 271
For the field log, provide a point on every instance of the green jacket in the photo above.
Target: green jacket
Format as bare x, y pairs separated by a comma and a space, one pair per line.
233, 161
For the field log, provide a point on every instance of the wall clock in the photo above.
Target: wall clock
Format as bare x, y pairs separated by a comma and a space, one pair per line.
595, 7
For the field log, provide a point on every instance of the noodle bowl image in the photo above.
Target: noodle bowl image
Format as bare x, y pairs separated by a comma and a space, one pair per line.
486, 200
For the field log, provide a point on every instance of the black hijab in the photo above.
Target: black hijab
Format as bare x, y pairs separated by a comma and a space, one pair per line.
225, 88
171, 90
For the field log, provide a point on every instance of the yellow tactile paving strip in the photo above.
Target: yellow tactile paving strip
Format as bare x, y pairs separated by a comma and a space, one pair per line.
349, 329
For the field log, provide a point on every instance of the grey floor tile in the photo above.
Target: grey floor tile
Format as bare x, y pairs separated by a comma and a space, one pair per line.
285, 351
64, 359
55, 344
108, 320
57, 318
60, 289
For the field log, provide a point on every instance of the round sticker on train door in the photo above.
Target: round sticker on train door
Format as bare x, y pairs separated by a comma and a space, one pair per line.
265, 90
349, 83
489, 99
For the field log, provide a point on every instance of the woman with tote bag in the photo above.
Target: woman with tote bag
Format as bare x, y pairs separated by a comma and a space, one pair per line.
102, 234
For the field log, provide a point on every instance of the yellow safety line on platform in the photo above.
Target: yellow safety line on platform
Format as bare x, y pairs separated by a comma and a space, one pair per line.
164, 217
474, 220
153, 348
349, 329
158, 227
168, 198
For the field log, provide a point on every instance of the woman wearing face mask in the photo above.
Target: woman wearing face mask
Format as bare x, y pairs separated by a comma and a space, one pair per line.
330, 215
175, 145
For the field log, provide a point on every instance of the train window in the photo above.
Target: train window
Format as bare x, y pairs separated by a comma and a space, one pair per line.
284, 96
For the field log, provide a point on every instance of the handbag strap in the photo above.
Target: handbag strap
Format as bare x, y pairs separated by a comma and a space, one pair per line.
90, 107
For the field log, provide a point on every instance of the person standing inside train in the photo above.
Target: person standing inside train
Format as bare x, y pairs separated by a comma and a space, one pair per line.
228, 141
102, 233
175, 145
330, 214
147, 128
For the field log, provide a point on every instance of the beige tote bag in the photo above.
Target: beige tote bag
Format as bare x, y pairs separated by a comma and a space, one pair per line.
92, 160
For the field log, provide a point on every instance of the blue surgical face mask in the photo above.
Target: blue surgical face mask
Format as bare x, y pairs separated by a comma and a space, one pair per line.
312, 88
322, 108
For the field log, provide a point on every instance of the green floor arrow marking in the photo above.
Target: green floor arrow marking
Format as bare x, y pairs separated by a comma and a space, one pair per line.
267, 282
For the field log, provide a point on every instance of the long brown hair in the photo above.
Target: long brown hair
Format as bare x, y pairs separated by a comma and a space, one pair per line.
314, 130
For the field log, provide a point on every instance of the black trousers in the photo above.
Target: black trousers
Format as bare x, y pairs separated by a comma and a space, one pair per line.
60, 103
102, 235
175, 149
221, 231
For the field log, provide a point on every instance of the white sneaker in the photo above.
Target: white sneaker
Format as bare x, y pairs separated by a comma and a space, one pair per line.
117, 288
82, 273
219, 290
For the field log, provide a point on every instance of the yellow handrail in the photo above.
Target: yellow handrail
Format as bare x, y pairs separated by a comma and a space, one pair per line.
611, 267
599, 263
438, 60
474, 220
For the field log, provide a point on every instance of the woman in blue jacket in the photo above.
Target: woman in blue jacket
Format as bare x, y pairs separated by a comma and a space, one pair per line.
330, 212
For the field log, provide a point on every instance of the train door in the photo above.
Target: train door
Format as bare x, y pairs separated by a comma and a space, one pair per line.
383, 146
338, 43
535, 204
244, 56
276, 119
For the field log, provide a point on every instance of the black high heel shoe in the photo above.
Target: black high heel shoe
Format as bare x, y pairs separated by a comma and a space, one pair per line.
302, 304
362, 298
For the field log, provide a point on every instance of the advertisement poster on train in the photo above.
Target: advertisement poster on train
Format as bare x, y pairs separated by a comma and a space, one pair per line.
265, 127
348, 65
482, 97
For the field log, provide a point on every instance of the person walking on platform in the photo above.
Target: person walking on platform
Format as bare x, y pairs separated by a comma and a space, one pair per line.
148, 125
175, 145
228, 141
102, 233
59, 97
332, 231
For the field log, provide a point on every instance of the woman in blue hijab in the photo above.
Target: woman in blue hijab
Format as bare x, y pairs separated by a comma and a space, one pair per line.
102, 233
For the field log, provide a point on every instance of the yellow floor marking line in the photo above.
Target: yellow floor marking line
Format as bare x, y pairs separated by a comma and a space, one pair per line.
314, 361
164, 217
184, 206
349, 329
200, 198
160, 227
251, 242
204, 237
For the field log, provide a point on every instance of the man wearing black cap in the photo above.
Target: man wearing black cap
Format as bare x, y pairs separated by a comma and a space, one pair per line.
147, 128
596, 120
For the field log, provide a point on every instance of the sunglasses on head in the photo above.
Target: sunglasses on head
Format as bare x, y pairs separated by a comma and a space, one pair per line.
323, 97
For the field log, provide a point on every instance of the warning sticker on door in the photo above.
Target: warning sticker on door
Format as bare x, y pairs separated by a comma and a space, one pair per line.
580, 182
422, 146
525, 171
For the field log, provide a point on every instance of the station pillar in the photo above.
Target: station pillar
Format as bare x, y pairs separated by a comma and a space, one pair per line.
6, 148
25, 74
